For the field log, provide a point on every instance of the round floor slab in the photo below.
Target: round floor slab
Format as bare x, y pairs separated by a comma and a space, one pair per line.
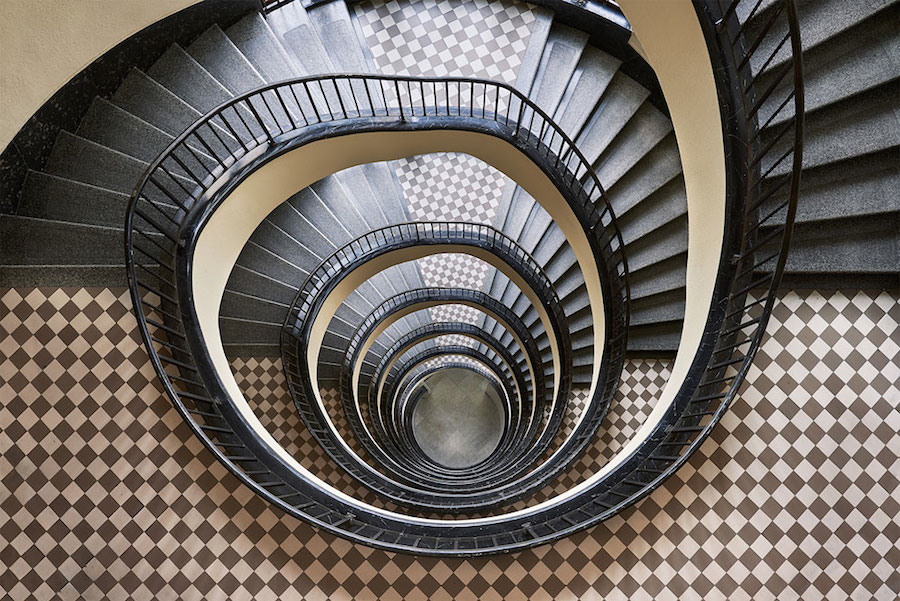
458, 421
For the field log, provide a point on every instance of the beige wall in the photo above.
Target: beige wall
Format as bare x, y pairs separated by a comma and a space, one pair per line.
44, 43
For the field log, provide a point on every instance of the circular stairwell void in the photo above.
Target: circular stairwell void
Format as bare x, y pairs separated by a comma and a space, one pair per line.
457, 418
196, 207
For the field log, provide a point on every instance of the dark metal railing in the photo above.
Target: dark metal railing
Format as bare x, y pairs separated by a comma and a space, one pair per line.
171, 202
326, 277
409, 396
427, 296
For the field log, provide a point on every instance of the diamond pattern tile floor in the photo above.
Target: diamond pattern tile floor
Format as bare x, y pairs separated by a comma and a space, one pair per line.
105, 493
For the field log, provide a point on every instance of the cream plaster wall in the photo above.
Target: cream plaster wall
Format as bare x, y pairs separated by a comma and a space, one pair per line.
44, 43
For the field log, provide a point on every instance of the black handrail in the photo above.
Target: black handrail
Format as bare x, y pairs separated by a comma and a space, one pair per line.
409, 400
384, 409
175, 183
417, 297
304, 310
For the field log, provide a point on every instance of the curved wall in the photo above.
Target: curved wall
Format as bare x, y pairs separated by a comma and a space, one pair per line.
44, 44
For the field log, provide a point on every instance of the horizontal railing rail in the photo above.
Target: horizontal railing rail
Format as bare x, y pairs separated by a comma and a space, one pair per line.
411, 299
183, 185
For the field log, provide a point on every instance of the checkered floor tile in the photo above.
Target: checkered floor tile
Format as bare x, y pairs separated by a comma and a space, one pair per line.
459, 38
106, 494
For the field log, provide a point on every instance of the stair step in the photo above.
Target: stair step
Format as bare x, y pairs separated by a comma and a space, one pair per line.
82, 160
661, 277
114, 127
531, 60
656, 169
856, 187
660, 308
184, 76
252, 283
335, 29
256, 40
846, 246
562, 51
658, 338
276, 258
335, 197
33, 241
620, 101
28, 276
255, 351
670, 240
640, 135
863, 125
592, 75
237, 304
661, 207
60, 199
303, 43
147, 99
217, 54
318, 218
857, 59
241, 331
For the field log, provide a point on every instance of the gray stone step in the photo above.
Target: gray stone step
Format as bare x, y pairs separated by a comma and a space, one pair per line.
149, 100
855, 187
60, 199
318, 219
661, 277
114, 127
27, 276
846, 246
620, 101
669, 240
185, 77
33, 241
239, 304
253, 283
218, 55
820, 21
665, 307
276, 259
640, 135
863, 125
656, 169
336, 198
302, 42
236, 331
255, 39
254, 351
531, 60
82, 160
562, 51
857, 59
592, 75
654, 340
386, 188
335, 29
663, 206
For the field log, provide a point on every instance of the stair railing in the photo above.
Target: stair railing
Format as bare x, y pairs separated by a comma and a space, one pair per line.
265, 122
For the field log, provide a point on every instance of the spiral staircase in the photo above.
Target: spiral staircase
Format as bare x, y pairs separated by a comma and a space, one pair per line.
253, 170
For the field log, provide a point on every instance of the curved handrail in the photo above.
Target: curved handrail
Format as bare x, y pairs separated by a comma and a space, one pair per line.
407, 405
419, 297
157, 210
314, 293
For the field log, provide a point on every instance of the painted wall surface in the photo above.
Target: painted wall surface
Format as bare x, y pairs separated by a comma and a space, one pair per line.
44, 43
105, 492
